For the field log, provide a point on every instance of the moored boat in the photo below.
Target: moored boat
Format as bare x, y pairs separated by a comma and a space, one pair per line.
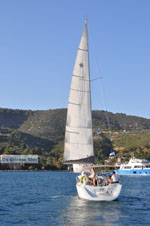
134, 167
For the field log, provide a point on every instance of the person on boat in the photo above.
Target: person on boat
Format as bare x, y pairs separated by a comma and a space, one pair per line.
114, 177
109, 180
92, 174
92, 177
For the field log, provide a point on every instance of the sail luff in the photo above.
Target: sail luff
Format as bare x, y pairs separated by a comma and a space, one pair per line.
78, 134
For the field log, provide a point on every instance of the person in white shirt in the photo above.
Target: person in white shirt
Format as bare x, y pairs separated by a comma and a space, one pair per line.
114, 177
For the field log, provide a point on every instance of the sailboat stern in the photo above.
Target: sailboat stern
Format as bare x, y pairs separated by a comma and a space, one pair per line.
97, 193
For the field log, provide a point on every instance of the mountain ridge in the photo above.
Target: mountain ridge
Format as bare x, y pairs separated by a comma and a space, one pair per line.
42, 132
24, 119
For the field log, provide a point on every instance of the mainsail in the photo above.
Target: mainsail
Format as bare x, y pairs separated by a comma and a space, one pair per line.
78, 134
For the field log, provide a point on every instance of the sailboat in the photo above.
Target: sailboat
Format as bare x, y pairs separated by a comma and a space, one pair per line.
78, 149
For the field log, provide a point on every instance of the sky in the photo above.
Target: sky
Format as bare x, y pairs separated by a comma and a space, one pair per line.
38, 45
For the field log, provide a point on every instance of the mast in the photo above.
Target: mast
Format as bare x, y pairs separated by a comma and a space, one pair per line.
78, 134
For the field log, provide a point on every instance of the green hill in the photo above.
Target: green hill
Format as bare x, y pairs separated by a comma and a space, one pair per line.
42, 133
13, 118
51, 123
47, 124
119, 121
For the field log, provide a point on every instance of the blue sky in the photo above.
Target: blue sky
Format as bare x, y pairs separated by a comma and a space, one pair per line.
38, 45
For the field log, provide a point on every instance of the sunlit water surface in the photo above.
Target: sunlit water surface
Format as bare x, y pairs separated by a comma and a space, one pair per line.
50, 198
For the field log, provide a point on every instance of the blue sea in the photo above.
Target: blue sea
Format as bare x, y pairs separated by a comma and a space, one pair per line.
50, 198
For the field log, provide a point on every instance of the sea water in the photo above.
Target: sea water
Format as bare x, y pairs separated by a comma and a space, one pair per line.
50, 198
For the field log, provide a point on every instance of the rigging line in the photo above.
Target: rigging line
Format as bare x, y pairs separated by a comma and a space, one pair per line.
102, 87
95, 79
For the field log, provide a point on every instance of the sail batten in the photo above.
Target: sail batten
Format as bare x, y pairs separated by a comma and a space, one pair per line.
84, 91
79, 135
83, 49
84, 160
73, 103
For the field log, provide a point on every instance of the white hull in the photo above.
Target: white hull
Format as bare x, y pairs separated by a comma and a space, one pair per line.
98, 193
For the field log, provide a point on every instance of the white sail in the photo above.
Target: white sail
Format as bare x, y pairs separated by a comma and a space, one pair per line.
78, 135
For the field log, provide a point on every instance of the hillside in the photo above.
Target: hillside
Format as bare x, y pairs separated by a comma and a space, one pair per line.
119, 121
13, 118
135, 143
42, 133
47, 124
51, 123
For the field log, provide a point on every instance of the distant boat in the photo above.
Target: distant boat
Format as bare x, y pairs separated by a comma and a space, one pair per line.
79, 135
134, 167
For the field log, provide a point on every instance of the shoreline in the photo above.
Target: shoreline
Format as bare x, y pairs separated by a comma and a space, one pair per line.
35, 171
